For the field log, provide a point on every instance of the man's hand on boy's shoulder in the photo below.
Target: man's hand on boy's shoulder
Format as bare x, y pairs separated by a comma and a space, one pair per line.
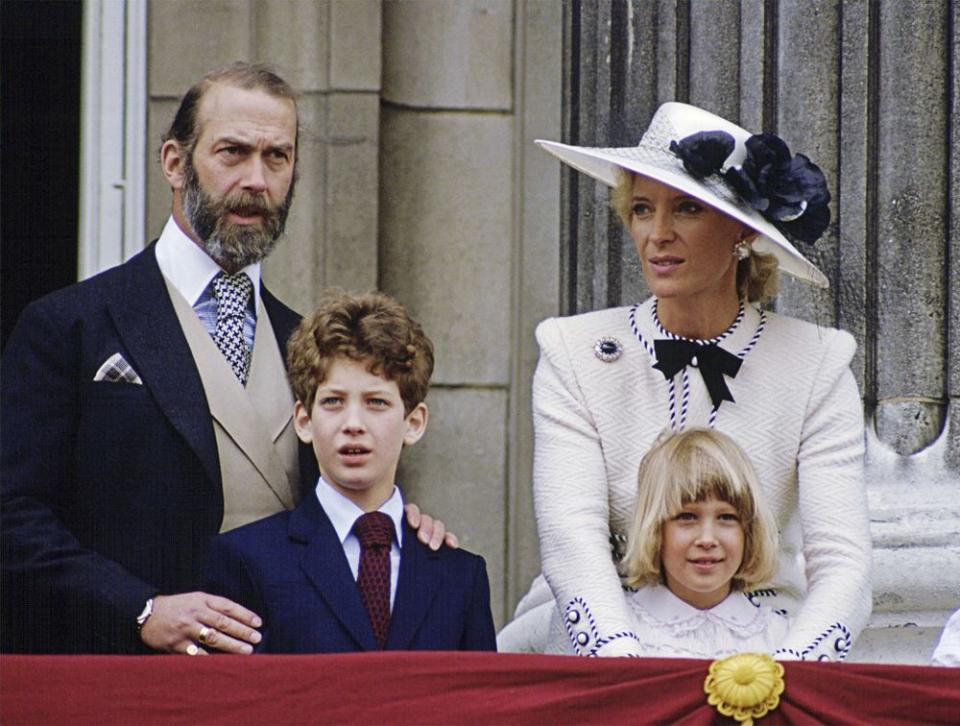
430, 531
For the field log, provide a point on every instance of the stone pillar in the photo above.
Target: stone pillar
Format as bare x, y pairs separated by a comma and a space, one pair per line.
445, 231
863, 88
913, 451
911, 198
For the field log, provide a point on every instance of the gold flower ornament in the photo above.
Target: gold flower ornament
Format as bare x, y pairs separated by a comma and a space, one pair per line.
745, 686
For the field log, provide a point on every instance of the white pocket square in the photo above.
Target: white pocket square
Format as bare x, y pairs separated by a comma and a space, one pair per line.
115, 369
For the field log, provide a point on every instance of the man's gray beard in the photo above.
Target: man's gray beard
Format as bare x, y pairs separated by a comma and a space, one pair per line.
232, 246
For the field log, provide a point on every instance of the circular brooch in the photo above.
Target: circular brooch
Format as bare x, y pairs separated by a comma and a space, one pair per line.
608, 349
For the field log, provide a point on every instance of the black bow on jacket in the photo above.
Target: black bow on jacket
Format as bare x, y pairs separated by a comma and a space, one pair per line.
713, 361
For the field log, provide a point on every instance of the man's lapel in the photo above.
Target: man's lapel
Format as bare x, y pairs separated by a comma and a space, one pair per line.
284, 321
148, 326
326, 566
420, 578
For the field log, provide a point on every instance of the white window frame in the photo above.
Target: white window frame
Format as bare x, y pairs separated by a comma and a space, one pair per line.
113, 133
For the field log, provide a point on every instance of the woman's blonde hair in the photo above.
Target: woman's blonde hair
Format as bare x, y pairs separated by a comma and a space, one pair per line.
756, 275
689, 467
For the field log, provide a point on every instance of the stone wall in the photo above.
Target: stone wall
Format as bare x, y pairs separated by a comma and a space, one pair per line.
468, 222
868, 91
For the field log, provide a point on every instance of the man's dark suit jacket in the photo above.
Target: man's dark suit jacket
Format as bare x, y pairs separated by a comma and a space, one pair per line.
291, 569
111, 492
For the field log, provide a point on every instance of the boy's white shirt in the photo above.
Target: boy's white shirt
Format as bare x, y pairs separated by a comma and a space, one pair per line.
343, 514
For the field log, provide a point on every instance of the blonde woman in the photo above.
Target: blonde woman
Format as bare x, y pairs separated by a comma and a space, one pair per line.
711, 210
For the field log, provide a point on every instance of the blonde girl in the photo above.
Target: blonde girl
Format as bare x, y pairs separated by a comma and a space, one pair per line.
702, 537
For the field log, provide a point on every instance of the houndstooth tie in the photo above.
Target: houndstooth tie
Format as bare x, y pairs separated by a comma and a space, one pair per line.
375, 532
233, 295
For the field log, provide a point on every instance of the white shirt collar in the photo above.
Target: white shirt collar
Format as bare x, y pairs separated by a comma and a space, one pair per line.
735, 611
188, 268
343, 513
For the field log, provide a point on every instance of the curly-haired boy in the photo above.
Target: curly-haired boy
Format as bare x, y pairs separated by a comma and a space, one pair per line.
344, 572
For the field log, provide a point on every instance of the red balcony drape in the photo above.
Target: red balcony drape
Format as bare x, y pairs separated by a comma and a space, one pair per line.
463, 688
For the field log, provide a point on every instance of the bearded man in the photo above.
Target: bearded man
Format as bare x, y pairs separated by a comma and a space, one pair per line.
147, 409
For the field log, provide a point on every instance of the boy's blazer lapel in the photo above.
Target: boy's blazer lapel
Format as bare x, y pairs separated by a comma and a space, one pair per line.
325, 565
148, 326
420, 578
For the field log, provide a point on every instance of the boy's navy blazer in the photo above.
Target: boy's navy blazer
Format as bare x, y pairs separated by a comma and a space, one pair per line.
111, 492
291, 570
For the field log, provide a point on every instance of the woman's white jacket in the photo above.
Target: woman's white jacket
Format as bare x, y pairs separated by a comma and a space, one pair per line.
796, 412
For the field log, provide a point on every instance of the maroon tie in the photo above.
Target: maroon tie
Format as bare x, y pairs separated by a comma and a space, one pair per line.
375, 532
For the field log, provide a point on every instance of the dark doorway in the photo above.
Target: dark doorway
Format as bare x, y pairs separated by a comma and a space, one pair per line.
39, 178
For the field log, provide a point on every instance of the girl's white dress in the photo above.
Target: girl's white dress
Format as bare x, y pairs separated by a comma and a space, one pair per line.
667, 627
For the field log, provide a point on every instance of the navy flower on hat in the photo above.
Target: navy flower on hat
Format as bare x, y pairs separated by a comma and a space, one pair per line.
789, 191
703, 153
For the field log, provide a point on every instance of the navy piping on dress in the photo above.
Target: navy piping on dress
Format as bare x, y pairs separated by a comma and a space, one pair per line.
573, 617
841, 645
676, 425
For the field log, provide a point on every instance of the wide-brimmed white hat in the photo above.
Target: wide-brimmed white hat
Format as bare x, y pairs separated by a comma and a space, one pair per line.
653, 157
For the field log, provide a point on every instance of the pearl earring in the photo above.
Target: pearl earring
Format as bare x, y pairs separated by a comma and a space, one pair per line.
741, 250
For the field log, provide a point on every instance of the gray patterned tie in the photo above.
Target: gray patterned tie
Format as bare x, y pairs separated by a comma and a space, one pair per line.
233, 295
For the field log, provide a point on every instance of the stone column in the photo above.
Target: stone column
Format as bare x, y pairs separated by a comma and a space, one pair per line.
446, 248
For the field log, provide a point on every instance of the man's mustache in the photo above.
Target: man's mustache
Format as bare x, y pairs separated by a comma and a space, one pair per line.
247, 204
